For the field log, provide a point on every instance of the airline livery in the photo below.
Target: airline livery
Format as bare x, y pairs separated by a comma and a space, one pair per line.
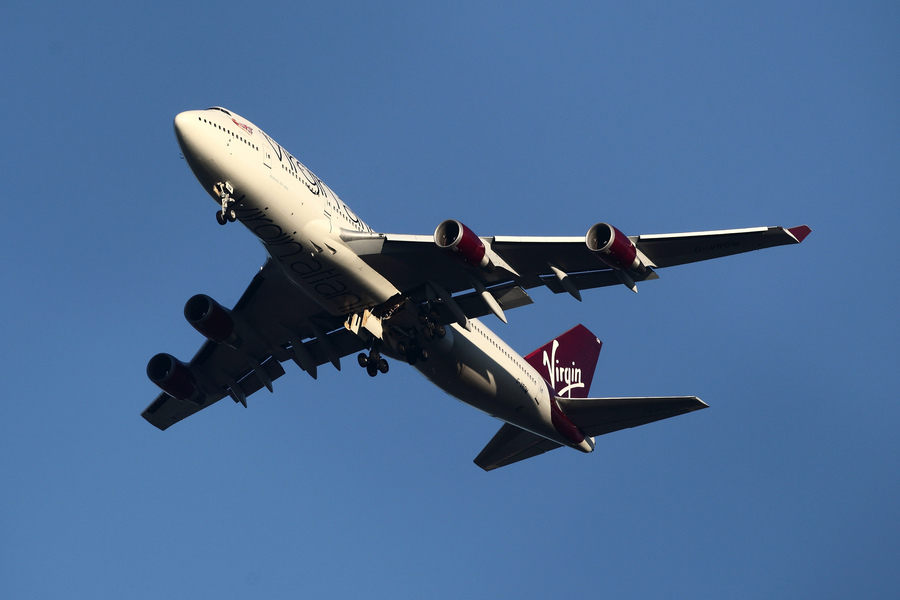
332, 286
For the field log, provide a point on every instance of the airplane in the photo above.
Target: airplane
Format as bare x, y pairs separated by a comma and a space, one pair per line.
331, 286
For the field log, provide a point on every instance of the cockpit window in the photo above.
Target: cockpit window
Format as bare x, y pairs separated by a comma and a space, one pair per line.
219, 108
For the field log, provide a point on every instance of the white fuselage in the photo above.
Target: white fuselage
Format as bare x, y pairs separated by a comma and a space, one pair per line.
299, 220
479, 368
296, 216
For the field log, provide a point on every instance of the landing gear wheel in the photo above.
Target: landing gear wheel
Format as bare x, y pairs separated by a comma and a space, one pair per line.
440, 331
224, 190
423, 354
372, 370
383, 365
363, 360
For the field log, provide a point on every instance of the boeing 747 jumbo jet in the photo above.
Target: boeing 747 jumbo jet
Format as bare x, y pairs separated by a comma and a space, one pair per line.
331, 286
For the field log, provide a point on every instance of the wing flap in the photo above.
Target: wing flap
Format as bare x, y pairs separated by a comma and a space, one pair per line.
215, 380
165, 410
598, 416
510, 445
590, 280
508, 296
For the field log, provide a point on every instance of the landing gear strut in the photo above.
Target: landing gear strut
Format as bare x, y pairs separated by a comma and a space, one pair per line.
373, 363
224, 190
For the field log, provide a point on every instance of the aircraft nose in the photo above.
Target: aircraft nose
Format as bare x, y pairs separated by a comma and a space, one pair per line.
193, 139
183, 123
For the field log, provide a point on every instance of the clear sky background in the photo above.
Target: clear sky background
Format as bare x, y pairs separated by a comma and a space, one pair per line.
519, 118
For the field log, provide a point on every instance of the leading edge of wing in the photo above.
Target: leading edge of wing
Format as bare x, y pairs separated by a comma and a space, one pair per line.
409, 260
670, 249
799, 233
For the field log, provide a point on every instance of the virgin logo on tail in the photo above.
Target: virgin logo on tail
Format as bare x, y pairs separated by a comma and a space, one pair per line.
571, 376
568, 362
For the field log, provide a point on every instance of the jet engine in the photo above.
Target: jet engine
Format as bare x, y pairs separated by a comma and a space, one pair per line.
173, 377
212, 320
453, 235
613, 247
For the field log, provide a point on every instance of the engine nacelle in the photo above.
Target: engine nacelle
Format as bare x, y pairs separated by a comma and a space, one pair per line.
173, 377
613, 247
212, 320
453, 235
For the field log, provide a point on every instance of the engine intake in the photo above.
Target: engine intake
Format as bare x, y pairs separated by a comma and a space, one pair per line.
212, 320
173, 377
613, 247
454, 236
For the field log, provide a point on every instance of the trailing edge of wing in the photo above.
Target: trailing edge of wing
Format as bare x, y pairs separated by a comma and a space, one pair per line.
165, 410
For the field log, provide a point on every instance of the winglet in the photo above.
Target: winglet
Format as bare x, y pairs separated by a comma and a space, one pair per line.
799, 233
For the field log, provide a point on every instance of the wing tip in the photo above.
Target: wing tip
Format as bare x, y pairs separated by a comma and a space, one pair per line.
799, 233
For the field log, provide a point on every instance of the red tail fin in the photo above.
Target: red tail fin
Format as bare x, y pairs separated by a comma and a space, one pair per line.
568, 362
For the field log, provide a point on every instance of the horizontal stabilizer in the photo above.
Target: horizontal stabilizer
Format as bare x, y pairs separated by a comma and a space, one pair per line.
593, 416
511, 445
597, 416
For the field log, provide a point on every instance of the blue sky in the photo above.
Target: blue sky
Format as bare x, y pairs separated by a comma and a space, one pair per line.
516, 118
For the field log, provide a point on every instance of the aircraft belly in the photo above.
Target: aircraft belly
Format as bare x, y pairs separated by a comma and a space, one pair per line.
286, 207
291, 225
470, 374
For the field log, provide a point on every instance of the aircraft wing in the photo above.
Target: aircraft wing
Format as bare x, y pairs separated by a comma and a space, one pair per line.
594, 416
285, 325
558, 263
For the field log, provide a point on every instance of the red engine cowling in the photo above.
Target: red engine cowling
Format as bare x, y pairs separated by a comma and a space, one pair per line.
453, 235
613, 247
173, 377
211, 319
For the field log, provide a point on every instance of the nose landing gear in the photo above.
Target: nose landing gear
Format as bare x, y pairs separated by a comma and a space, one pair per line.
227, 215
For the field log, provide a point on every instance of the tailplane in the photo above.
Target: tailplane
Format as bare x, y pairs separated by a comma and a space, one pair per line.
568, 362
593, 416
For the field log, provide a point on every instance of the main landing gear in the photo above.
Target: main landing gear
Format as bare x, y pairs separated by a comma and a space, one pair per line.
227, 215
409, 342
373, 363
413, 352
431, 329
